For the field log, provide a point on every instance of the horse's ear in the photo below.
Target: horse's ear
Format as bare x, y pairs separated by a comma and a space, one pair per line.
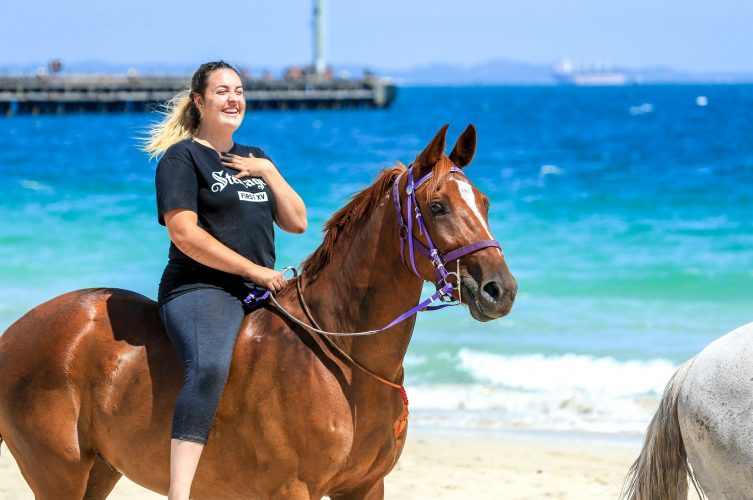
431, 155
465, 148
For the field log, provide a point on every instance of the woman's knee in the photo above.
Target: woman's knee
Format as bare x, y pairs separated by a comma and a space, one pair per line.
211, 379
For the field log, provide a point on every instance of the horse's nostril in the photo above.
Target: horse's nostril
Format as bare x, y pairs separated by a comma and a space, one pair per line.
494, 290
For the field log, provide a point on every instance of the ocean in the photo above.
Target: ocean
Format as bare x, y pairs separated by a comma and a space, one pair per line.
624, 213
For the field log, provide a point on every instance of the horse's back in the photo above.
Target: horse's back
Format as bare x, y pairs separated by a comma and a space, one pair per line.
62, 362
60, 316
58, 336
715, 411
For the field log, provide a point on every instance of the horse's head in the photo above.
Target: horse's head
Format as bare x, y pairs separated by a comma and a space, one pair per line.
455, 213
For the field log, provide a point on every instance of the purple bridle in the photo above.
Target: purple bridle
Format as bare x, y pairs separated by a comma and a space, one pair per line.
405, 231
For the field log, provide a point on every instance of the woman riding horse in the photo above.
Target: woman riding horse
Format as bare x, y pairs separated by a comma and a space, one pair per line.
89, 380
218, 200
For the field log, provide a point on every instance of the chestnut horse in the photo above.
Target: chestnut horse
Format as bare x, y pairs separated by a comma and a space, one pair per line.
89, 379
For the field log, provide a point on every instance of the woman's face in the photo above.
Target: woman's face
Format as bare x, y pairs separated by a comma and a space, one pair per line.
223, 103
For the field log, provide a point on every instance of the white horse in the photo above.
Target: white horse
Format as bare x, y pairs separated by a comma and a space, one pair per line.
703, 428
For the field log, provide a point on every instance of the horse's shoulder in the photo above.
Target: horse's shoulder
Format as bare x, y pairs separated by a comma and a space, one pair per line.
278, 344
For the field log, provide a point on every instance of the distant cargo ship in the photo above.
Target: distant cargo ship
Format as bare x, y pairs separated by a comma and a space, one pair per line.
567, 73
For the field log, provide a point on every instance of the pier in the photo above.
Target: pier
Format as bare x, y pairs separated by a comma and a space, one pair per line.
313, 87
106, 93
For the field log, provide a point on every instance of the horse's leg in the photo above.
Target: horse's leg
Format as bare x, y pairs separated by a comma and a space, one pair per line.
102, 479
52, 473
373, 491
39, 418
56, 470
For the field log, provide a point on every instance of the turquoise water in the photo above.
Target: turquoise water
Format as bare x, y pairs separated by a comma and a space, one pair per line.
625, 214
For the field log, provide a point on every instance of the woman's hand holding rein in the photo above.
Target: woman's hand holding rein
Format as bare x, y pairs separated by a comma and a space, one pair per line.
270, 279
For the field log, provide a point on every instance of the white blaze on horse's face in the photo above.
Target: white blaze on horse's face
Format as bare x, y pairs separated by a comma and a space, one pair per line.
466, 192
471, 199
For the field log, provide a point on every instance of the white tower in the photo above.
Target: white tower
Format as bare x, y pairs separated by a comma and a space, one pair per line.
319, 27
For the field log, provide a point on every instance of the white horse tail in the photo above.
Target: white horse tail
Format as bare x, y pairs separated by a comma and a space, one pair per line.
661, 471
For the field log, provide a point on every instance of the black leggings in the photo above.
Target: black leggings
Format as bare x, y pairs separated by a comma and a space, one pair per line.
203, 325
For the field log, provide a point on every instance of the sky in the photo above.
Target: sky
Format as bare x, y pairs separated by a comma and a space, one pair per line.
691, 35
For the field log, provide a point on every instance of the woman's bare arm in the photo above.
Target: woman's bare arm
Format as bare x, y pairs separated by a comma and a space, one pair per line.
192, 240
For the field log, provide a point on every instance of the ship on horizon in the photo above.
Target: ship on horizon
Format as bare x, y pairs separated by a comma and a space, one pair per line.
565, 72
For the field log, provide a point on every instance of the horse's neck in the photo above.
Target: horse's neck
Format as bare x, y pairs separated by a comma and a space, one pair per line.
364, 287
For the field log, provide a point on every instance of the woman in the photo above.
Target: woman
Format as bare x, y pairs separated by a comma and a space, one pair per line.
218, 200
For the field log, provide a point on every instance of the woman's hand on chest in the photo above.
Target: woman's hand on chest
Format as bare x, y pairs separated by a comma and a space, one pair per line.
249, 166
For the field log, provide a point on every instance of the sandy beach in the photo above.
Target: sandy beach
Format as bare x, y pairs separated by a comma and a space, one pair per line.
512, 465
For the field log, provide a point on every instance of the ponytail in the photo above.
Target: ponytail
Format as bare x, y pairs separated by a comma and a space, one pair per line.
181, 117
180, 121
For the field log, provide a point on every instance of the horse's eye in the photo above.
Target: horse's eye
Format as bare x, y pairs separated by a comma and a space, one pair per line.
437, 208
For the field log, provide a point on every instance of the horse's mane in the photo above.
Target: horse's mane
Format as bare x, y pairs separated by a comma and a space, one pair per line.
360, 206
358, 209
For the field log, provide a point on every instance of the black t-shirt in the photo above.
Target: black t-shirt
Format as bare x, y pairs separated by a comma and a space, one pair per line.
238, 212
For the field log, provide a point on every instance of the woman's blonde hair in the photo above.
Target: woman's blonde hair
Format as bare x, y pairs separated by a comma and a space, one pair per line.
181, 117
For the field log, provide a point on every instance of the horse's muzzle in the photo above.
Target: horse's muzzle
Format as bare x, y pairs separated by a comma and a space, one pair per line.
493, 298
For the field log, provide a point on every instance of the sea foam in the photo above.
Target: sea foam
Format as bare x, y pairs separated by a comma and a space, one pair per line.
563, 392
568, 373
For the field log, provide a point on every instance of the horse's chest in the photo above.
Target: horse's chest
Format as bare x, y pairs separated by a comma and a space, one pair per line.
372, 449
